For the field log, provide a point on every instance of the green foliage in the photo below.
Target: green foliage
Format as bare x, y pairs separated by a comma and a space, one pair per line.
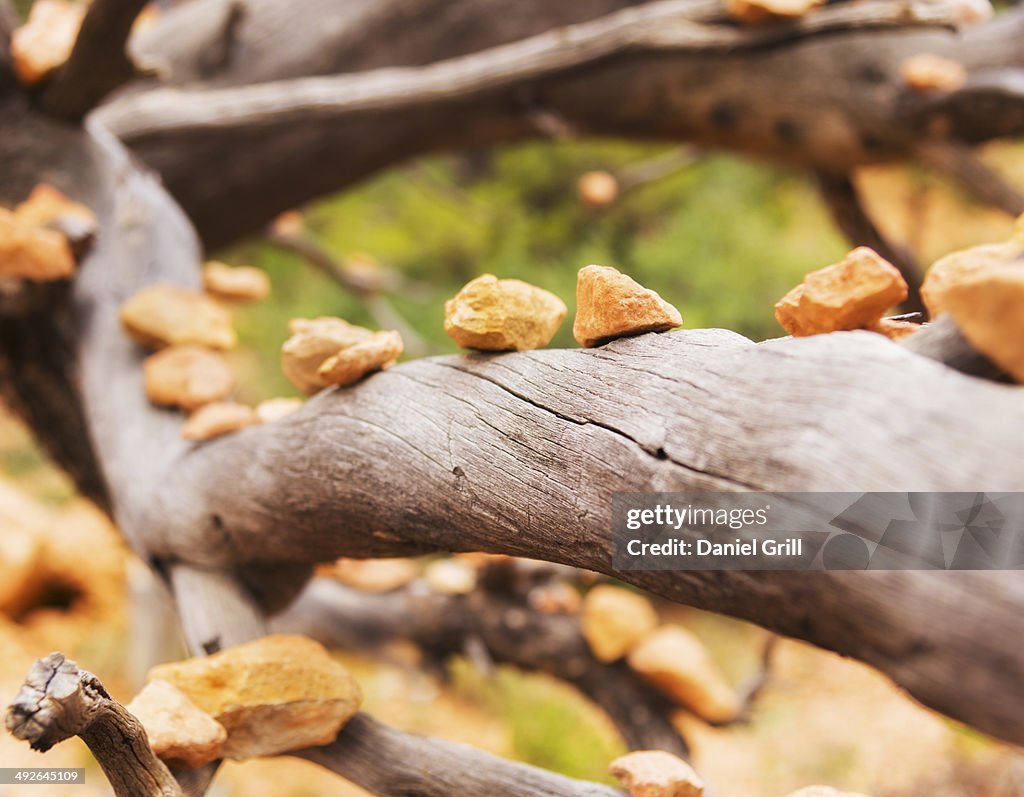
722, 239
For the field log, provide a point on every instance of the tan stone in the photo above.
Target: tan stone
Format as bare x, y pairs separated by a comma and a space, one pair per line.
611, 305
451, 576
373, 575
288, 223
597, 189
277, 408
30, 252
46, 204
823, 791
614, 620
556, 598
381, 350
235, 283
988, 306
217, 419
957, 266
851, 294
928, 72
45, 41
655, 773
492, 314
677, 663
274, 695
167, 315
894, 329
178, 730
186, 377
758, 12
313, 342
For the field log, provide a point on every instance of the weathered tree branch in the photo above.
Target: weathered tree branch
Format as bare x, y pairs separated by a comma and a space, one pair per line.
98, 64
510, 631
59, 701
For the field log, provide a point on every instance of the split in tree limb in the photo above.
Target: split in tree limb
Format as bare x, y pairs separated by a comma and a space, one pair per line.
59, 701
98, 64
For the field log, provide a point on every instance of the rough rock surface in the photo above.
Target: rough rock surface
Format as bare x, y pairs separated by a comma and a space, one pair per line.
611, 305
44, 42
851, 294
988, 307
217, 419
380, 350
235, 283
957, 266
677, 663
186, 377
315, 341
491, 314
928, 72
31, 252
167, 315
276, 694
178, 730
655, 773
614, 620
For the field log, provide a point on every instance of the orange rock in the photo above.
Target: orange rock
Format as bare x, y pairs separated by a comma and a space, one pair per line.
655, 773
381, 350
186, 377
492, 314
610, 305
614, 620
31, 252
45, 41
178, 730
851, 294
677, 663
927, 72
597, 189
957, 266
758, 12
274, 695
235, 283
277, 408
894, 329
167, 315
988, 306
220, 418
46, 204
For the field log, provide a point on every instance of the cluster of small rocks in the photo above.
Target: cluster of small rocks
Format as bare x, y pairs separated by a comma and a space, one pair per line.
40, 238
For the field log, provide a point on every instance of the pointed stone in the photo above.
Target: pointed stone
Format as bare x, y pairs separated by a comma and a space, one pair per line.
610, 305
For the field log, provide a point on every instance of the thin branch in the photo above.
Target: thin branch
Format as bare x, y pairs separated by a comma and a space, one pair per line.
851, 217
678, 26
59, 701
98, 63
962, 164
506, 627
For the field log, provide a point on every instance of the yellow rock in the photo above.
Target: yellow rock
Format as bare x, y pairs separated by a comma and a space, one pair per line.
314, 342
217, 419
178, 731
186, 377
274, 695
614, 620
611, 305
957, 266
167, 315
31, 252
988, 306
851, 294
492, 314
45, 41
928, 72
677, 663
380, 350
655, 773
235, 283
